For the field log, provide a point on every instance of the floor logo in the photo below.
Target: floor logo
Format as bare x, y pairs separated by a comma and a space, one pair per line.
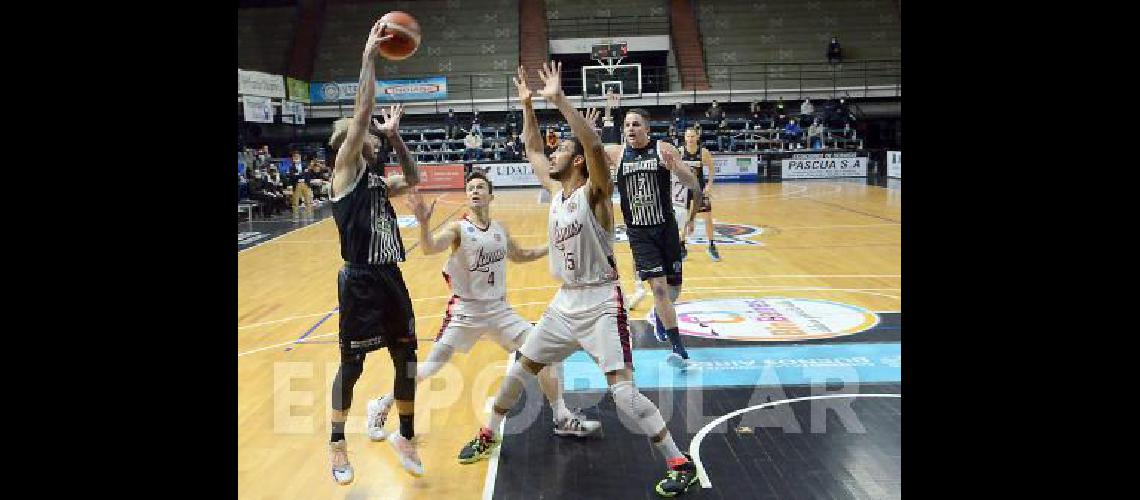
724, 234
406, 221
774, 319
247, 238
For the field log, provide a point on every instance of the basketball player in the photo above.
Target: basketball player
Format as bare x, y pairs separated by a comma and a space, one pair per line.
643, 179
476, 274
375, 309
587, 311
700, 161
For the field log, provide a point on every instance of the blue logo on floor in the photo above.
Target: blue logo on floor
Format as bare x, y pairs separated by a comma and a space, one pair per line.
819, 364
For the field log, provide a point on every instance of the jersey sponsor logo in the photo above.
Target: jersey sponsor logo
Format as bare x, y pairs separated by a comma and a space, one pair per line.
772, 319
631, 167
724, 233
485, 259
561, 234
383, 224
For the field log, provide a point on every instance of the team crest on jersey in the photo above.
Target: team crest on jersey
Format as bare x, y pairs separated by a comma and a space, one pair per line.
470, 229
383, 224
725, 233
572, 206
498, 237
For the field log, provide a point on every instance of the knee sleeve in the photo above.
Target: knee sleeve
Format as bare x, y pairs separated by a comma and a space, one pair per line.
673, 280
404, 363
512, 386
346, 376
440, 355
638, 408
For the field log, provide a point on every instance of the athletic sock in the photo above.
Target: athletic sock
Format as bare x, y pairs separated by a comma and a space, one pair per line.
675, 339
669, 449
407, 426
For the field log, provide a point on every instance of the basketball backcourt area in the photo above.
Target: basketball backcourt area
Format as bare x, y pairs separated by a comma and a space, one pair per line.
796, 336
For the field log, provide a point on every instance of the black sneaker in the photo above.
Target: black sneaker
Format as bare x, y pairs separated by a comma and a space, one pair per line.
713, 254
678, 479
479, 448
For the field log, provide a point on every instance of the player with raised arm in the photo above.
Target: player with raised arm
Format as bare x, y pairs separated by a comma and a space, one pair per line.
586, 312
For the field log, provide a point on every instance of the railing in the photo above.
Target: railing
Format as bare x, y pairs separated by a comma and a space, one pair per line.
729, 82
608, 27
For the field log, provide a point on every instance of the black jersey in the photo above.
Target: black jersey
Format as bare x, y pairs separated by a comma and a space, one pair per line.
369, 233
643, 183
694, 162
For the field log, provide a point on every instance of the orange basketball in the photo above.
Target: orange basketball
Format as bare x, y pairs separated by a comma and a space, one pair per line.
406, 37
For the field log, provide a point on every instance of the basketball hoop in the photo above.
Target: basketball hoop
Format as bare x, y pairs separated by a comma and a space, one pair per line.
622, 79
609, 55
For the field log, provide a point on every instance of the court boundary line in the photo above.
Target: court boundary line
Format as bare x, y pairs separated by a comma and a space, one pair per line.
695, 278
695, 444
493, 461
336, 309
275, 238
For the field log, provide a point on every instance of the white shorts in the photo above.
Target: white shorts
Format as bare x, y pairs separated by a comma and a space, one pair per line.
682, 216
466, 321
592, 319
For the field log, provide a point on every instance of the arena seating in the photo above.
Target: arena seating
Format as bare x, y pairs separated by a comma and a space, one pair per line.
473, 42
264, 35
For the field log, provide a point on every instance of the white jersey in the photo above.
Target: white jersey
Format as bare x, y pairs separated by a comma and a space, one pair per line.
581, 250
477, 269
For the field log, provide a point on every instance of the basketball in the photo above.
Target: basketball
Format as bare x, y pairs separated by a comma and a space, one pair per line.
406, 37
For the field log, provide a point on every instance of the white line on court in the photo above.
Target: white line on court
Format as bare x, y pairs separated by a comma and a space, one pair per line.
695, 445
275, 238
697, 278
493, 460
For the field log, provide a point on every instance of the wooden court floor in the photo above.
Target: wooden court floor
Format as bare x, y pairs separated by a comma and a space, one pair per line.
823, 239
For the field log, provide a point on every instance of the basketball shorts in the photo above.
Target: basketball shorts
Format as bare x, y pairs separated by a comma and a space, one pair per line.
656, 251
590, 318
375, 309
705, 204
466, 321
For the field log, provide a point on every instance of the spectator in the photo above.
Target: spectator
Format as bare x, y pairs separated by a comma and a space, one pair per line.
512, 122
680, 123
476, 128
512, 149
259, 190
792, 134
724, 140
714, 113
302, 190
474, 145
806, 109
834, 53
781, 115
451, 124
326, 181
275, 187
815, 135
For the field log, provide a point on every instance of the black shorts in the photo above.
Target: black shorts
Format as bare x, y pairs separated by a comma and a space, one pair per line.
656, 251
375, 309
705, 205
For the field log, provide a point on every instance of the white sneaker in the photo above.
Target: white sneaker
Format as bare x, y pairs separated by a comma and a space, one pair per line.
378, 414
341, 469
637, 297
406, 452
577, 425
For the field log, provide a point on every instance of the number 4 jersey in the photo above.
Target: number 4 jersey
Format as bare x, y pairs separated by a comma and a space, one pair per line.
477, 269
